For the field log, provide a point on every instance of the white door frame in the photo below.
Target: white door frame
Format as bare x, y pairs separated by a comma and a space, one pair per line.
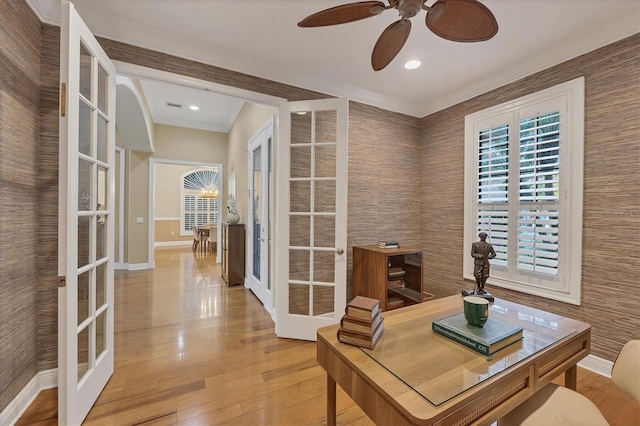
119, 263
152, 195
265, 296
137, 71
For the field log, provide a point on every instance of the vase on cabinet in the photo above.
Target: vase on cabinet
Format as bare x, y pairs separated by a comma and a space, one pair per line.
233, 218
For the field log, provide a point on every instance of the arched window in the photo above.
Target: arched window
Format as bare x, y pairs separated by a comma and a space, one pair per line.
200, 198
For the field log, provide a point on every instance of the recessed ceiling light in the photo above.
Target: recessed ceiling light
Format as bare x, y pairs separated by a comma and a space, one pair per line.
194, 108
301, 112
412, 64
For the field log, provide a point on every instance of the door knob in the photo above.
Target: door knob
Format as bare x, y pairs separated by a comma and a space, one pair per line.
339, 251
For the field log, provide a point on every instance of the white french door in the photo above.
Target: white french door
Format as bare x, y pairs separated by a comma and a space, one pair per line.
86, 219
311, 231
259, 238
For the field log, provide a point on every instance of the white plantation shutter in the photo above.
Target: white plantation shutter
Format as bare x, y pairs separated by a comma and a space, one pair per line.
189, 212
538, 241
539, 167
493, 164
539, 163
523, 187
496, 224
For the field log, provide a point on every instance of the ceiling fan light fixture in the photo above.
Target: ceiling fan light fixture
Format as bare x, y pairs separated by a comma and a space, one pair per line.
412, 64
455, 20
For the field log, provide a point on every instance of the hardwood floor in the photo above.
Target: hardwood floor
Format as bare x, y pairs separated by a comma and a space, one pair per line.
189, 350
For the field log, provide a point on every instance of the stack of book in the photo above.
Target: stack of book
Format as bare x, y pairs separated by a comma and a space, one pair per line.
388, 244
492, 337
396, 277
362, 324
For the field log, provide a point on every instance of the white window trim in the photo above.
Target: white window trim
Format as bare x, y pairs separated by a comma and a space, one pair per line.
184, 192
572, 247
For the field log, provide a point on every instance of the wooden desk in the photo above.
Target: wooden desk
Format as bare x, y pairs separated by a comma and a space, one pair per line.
493, 388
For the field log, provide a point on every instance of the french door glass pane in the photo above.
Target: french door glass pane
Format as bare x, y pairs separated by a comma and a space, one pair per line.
84, 129
102, 141
84, 241
84, 185
324, 231
85, 72
299, 227
326, 126
325, 196
299, 299
325, 160
101, 236
323, 297
301, 127
301, 161
299, 265
101, 284
83, 352
101, 333
255, 208
102, 188
301, 196
84, 296
323, 266
102, 89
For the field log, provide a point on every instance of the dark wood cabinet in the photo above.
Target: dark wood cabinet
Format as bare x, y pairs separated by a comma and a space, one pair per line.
393, 276
233, 253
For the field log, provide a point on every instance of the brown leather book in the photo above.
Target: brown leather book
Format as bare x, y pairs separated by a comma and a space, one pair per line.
361, 339
360, 325
363, 308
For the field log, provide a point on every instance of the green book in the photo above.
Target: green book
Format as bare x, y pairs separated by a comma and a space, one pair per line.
487, 340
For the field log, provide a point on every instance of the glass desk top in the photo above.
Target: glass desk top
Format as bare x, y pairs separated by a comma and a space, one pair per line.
439, 369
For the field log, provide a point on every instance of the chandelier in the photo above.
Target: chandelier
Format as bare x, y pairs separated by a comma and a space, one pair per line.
210, 192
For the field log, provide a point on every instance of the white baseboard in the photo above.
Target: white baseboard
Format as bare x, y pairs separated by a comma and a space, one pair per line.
173, 243
43, 380
598, 365
138, 266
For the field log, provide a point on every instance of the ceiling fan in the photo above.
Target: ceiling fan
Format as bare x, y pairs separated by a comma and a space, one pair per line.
455, 20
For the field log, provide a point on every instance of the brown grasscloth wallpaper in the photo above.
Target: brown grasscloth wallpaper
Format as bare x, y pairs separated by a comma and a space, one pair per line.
383, 164
611, 209
19, 183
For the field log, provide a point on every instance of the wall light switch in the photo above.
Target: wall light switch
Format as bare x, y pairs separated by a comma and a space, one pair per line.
140, 220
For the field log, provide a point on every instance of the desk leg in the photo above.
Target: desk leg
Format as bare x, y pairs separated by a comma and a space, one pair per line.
571, 378
331, 401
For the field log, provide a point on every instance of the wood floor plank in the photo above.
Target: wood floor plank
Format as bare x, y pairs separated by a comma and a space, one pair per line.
191, 351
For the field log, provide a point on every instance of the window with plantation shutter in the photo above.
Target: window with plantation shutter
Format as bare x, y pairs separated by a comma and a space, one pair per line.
196, 209
523, 187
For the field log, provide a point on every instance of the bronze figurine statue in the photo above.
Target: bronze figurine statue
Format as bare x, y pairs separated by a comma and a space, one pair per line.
482, 252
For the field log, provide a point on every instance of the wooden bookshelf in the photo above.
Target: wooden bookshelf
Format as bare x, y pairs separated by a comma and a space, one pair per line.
371, 275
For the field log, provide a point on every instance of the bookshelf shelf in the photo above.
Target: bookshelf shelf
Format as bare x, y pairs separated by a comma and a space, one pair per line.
393, 276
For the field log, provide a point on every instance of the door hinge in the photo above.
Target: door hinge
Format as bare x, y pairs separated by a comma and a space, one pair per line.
63, 99
62, 282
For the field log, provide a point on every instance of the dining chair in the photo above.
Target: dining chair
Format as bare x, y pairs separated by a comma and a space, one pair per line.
196, 238
557, 405
212, 238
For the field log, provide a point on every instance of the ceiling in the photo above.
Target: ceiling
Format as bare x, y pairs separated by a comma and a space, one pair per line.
170, 104
261, 38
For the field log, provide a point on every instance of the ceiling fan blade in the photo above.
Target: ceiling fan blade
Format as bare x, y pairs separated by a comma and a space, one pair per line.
342, 14
390, 43
461, 20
